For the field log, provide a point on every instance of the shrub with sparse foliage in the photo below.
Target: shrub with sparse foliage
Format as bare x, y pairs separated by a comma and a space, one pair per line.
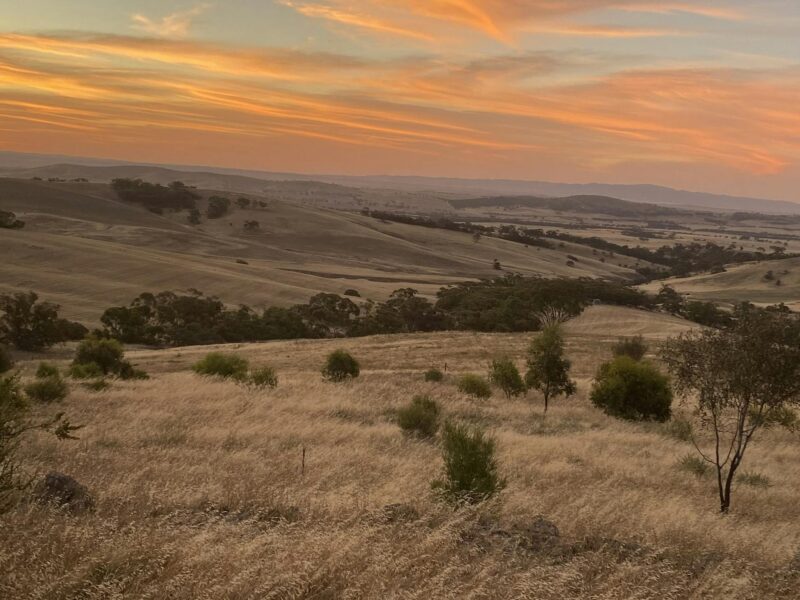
475, 386
85, 371
420, 417
434, 375
106, 353
504, 374
46, 370
632, 390
47, 389
470, 467
630, 346
263, 377
219, 364
340, 366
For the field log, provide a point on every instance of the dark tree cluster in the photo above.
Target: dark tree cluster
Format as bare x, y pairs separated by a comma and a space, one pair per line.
156, 197
31, 325
8, 220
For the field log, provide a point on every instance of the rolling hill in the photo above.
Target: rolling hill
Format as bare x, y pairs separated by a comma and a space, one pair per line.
86, 250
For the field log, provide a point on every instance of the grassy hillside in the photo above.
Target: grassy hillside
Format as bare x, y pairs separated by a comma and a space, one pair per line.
87, 250
200, 492
748, 282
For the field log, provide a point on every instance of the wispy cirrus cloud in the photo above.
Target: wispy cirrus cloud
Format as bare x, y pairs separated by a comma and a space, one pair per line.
455, 111
175, 25
498, 19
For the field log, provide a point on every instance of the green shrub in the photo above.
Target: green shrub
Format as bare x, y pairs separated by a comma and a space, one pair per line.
420, 418
434, 375
632, 390
128, 371
48, 389
633, 347
470, 468
339, 366
504, 374
263, 377
754, 479
475, 386
85, 371
46, 370
218, 364
680, 429
98, 385
6, 363
695, 465
104, 352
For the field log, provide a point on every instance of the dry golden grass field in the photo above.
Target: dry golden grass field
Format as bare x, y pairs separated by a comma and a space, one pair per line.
86, 251
200, 493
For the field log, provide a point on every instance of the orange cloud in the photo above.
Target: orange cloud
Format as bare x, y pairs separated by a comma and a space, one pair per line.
485, 113
173, 25
495, 18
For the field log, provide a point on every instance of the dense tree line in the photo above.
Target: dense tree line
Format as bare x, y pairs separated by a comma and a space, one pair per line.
154, 196
505, 304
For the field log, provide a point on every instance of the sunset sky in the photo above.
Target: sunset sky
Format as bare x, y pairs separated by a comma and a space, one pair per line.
698, 94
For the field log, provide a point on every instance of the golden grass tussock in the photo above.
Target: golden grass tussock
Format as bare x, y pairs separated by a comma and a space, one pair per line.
200, 490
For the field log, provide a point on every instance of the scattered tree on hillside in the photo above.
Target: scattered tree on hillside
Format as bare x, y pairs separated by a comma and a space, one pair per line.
8, 220
27, 323
194, 216
745, 378
217, 207
252, 226
548, 368
155, 197
243, 202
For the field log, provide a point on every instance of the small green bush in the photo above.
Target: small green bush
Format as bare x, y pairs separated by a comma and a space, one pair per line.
226, 366
754, 479
504, 374
5, 360
85, 371
46, 370
634, 347
680, 429
695, 465
340, 366
128, 371
263, 377
475, 386
632, 390
470, 468
420, 418
98, 385
434, 375
103, 352
48, 389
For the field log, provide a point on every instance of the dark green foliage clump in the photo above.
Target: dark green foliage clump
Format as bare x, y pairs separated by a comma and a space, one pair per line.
435, 375
46, 370
6, 362
420, 418
106, 353
47, 389
632, 390
630, 346
470, 467
225, 366
85, 371
340, 366
128, 371
27, 323
504, 374
263, 377
155, 197
475, 386
217, 207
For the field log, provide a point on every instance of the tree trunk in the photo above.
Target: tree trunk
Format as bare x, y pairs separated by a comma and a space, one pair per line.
725, 492
546, 399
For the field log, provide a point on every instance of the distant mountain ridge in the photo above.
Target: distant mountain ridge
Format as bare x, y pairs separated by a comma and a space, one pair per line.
22, 165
